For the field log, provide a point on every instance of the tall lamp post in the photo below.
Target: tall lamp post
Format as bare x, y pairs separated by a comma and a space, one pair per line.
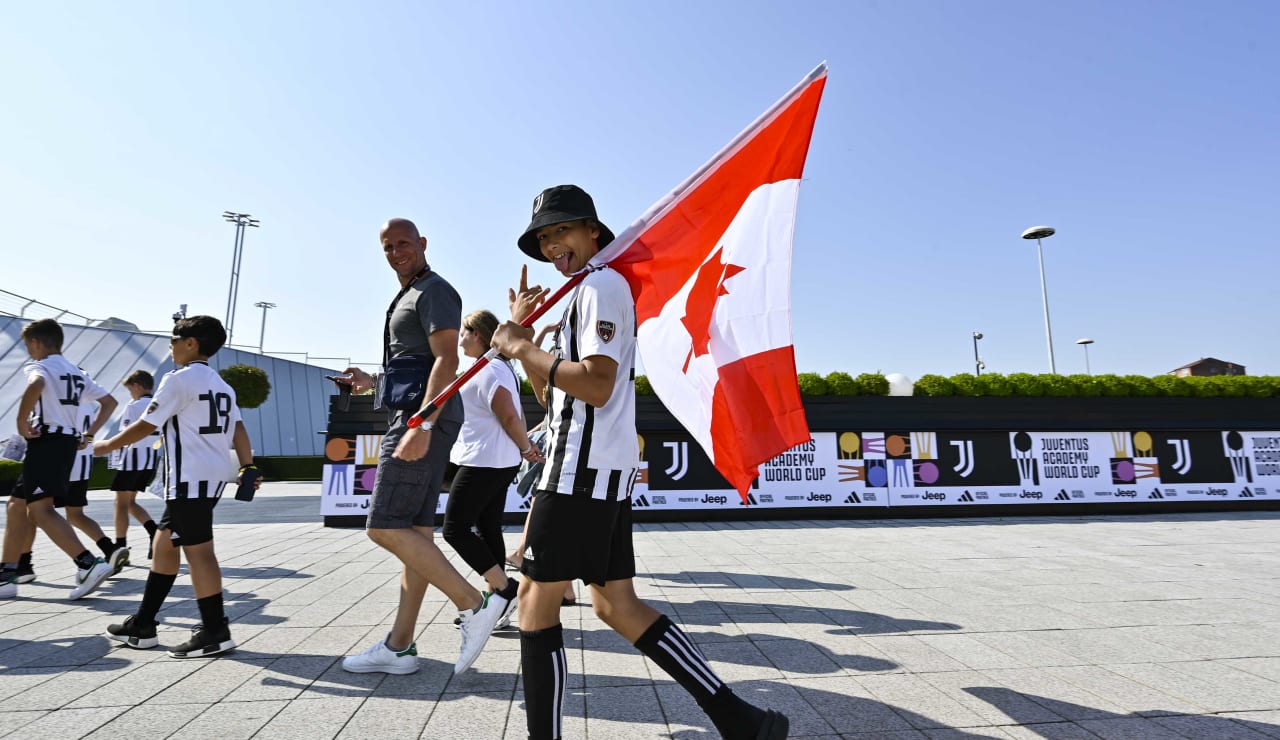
1085, 342
978, 364
1038, 233
263, 333
242, 221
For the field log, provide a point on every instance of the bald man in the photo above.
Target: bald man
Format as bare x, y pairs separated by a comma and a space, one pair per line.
421, 346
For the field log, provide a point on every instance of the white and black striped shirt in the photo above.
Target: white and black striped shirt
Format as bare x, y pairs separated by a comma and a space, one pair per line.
197, 413
65, 388
143, 454
594, 451
83, 465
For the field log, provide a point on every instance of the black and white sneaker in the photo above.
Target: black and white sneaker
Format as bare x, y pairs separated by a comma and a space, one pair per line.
119, 559
26, 573
134, 634
205, 643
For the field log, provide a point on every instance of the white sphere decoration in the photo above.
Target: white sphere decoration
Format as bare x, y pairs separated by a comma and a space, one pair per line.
899, 384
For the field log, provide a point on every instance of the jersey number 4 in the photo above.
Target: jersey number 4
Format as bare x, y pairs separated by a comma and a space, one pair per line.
219, 411
75, 386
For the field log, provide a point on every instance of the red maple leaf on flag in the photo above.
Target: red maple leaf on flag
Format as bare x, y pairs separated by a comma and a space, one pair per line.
708, 286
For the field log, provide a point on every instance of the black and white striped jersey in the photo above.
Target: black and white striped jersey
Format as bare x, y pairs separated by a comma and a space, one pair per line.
143, 454
83, 464
66, 387
594, 451
197, 414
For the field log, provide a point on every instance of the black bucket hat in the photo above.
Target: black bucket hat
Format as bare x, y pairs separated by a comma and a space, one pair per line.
557, 205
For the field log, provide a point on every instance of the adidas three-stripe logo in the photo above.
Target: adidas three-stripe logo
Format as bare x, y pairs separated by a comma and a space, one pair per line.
1062, 496
853, 498
966, 497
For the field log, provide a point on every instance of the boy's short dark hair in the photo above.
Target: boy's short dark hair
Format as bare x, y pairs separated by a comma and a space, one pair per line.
46, 331
142, 378
206, 330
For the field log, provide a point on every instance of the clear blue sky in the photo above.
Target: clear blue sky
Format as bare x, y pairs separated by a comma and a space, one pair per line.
1145, 132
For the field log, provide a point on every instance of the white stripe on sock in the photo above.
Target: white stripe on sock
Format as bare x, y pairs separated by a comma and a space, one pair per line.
694, 668
559, 667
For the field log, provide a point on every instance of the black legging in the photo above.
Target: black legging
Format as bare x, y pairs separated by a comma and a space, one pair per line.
477, 499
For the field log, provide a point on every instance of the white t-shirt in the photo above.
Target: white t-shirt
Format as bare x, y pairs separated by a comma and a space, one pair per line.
483, 443
197, 413
594, 451
65, 388
140, 455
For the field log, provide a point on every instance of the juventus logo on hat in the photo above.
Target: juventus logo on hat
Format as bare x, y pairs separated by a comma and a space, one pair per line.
537, 203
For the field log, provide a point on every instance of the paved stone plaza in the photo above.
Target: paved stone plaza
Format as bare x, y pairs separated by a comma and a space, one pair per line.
1160, 626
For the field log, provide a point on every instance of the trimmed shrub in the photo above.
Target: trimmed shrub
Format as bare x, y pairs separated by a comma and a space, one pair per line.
1058, 386
643, 388
933, 385
871, 384
1140, 385
250, 384
1086, 385
1170, 385
1258, 387
813, 384
1026, 384
1113, 386
10, 470
965, 384
994, 384
842, 384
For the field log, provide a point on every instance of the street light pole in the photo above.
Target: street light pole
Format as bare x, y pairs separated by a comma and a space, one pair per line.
1038, 233
977, 361
262, 334
241, 220
1085, 343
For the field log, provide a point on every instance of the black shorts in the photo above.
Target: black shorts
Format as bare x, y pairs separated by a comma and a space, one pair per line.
189, 520
577, 537
133, 480
46, 467
77, 494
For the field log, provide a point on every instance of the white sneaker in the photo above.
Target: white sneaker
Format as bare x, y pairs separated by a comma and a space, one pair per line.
476, 626
89, 580
380, 659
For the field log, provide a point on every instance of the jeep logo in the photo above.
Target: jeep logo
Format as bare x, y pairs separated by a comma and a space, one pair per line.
1031, 495
1216, 492
819, 497
934, 496
709, 499
1126, 493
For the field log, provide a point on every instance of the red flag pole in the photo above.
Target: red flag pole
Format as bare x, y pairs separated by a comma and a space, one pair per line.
416, 420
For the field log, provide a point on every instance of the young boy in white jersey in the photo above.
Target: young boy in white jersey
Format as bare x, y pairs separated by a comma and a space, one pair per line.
200, 421
137, 464
581, 525
48, 417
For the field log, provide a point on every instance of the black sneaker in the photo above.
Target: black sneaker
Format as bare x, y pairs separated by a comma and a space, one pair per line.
134, 634
205, 642
26, 573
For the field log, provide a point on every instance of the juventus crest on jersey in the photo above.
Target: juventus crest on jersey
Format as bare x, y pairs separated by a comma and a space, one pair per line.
196, 413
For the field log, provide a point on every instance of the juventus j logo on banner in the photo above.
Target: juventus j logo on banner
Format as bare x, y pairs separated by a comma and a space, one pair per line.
679, 459
965, 449
1182, 455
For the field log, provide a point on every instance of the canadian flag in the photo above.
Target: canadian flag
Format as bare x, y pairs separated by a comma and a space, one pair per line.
710, 268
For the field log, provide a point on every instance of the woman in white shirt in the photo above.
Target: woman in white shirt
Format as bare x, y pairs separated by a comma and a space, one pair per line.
490, 447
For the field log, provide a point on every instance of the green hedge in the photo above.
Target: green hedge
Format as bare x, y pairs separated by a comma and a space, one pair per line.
1026, 384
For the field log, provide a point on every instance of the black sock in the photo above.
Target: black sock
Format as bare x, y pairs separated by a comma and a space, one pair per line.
211, 613
509, 591
665, 644
545, 671
150, 526
84, 561
106, 547
24, 560
153, 596
122, 542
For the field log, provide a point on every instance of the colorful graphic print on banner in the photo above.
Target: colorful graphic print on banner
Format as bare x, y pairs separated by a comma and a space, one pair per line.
348, 474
